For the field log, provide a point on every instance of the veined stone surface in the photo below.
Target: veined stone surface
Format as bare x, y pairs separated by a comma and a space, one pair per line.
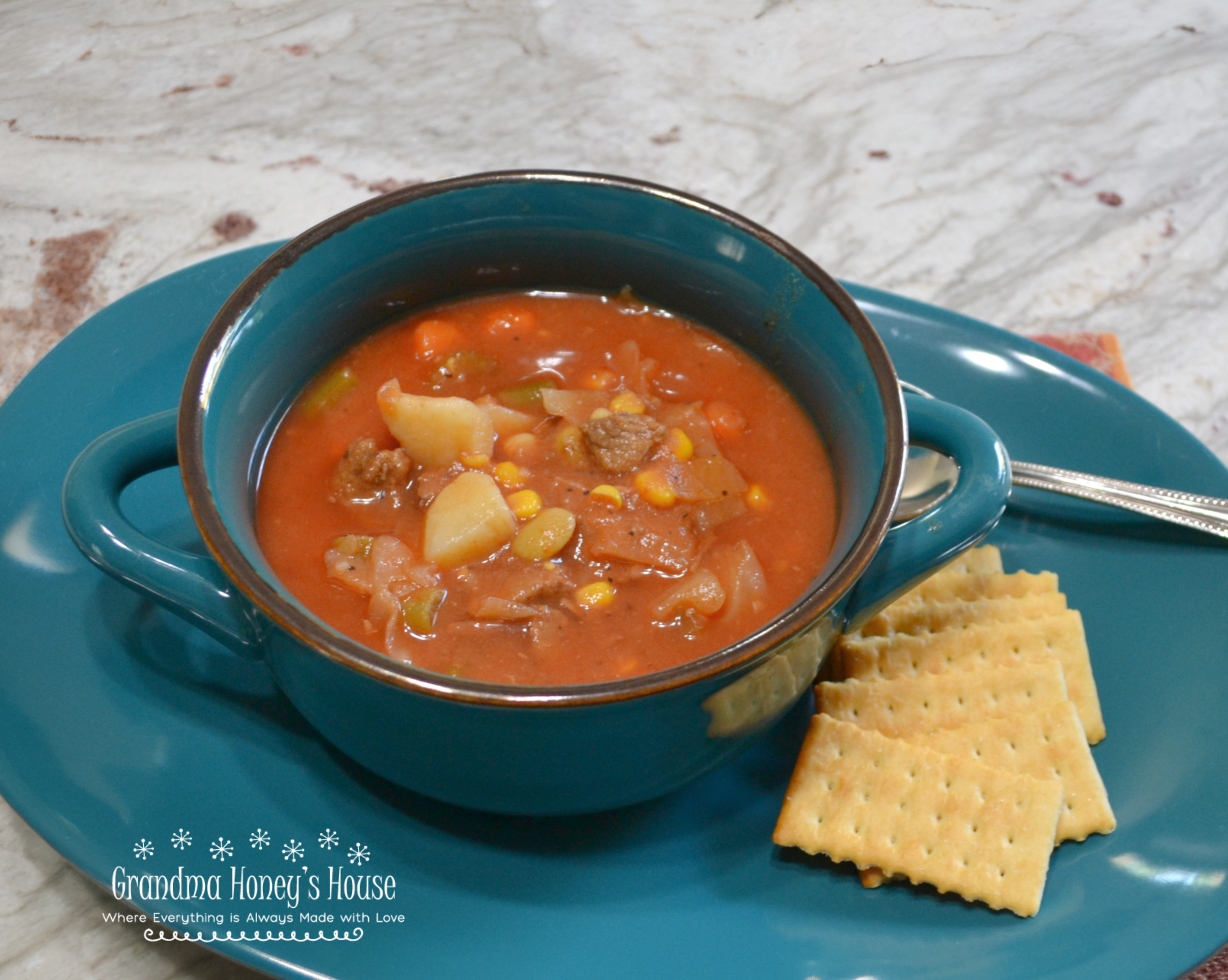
1050, 166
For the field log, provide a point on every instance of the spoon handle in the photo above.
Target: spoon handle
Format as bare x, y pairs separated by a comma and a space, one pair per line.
1208, 514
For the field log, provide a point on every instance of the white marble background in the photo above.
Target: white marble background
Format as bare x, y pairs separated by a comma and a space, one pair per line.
1046, 165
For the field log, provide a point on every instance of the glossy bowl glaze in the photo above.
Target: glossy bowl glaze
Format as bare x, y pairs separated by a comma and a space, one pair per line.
514, 748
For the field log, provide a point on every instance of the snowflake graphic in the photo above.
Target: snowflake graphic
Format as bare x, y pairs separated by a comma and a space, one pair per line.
329, 839
220, 849
359, 853
292, 851
260, 839
143, 849
181, 839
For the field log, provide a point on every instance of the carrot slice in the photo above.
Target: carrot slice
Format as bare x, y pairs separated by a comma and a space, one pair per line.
726, 421
435, 338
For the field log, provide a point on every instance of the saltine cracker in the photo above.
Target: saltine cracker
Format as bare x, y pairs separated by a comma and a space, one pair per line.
859, 796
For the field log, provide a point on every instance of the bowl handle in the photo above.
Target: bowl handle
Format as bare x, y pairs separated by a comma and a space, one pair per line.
912, 550
189, 585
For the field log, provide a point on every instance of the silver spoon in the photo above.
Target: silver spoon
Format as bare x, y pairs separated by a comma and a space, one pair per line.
930, 476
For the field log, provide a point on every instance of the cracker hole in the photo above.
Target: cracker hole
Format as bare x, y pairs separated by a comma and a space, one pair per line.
928, 850
977, 752
1001, 873
1012, 746
1016, 648
960, 699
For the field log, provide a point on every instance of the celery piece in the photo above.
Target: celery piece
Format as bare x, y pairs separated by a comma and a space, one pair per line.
419, 611
461, 365
354, 545
464, 363
330, 391
526, 397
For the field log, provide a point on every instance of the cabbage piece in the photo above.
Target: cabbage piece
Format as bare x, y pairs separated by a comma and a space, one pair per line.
719, 475
642, 535
635, 370
575, 406
349, 562
504, 610
746, 587
713, 513
507, 421
396, 569
701, 591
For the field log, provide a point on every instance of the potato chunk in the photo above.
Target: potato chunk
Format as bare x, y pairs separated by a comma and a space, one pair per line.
467, 521
435, 431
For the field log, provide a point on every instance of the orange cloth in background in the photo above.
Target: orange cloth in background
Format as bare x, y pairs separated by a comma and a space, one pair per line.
1099, 350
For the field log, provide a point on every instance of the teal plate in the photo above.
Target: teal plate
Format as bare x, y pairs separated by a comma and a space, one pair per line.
122, 731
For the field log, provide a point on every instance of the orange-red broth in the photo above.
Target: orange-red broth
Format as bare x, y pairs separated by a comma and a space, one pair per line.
578, 341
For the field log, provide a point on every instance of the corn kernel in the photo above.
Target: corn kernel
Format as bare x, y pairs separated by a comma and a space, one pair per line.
628, 401
756, 498
570, 443
475, 461
509, 475
525, 503
680, 444
544, 536
607, 494
520, 445
601, 413
655, 488
598, 595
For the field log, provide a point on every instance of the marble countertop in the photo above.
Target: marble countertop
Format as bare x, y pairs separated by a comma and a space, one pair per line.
1051, 166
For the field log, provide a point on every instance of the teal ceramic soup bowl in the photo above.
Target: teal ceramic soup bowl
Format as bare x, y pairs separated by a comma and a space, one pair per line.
531, 750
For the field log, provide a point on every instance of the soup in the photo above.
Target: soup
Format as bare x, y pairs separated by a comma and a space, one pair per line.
542, 488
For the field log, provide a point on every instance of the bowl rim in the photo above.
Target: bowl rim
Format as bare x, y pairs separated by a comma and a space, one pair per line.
267, 598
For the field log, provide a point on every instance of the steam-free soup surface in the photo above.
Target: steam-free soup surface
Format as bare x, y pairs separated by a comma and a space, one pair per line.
546, 489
